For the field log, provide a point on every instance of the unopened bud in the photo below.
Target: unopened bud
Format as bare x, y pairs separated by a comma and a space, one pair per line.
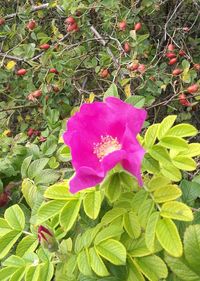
47, 239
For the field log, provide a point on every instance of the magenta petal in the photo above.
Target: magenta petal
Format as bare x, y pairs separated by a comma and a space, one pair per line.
112, 159
85, 177
99, 125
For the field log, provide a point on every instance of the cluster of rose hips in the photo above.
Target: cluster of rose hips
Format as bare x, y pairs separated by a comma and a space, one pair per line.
193, 89
141, 68
71, 24
173, 58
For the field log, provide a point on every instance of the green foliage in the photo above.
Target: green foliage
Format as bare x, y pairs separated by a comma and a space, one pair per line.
115, 231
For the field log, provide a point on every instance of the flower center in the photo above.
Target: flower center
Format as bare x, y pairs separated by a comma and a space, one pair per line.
107, 145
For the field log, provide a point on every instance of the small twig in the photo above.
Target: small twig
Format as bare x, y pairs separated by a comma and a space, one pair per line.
103, 42
18, 107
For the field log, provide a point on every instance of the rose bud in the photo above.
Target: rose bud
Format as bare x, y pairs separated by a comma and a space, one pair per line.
42, 139
30, 132
4, 198
47, 239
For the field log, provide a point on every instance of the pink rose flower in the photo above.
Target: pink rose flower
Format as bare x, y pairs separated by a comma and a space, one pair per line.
102, 135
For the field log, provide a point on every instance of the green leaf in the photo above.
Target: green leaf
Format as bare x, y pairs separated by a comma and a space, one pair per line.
47, 176
29, 191
4, 227
168, 236
113, 187
136, 101
15, 217
175, 143
18, 275
7, 241
92, 204
6, 272
165, 125
184, 163
160, 154
192, 247
36, 167
60, 191
108, 232
180, 267
32, 273
49, 210
113, 251
46, 271
84, 262
190, 192
176, 210
193, 150
171, 172
69, 214
112, 91
97, 264
26, 245
25, 165
150, 233
132, 224
145, 211
112, 215
153, 267
183, 130
150, 164
167, 193
14, 261
157, 182
151, 135
139, 248
134, 272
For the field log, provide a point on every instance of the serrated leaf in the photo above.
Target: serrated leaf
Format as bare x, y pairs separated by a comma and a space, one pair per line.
151, 135
29, 191
49, 210
84, 262
112, 215
14, 261
69, 214
25, 165
153, 267
32, 273
15, 217
46, 271
132, 224
145, 211
157, 182
167, 193
36, 167
139, 248
183, 130
171, 172
112, 91
176, 210
150, 164
165, 125
175, 143
113, 187
27, 244
47, 176
7, 241
134, 272
108, 232
180, 267
113, 251
184, 163
150, 232
193, 150
97, 264
136, 101
92, 204
18, 275
192, 247
59, 191
168, 236
160, 154
6, 272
